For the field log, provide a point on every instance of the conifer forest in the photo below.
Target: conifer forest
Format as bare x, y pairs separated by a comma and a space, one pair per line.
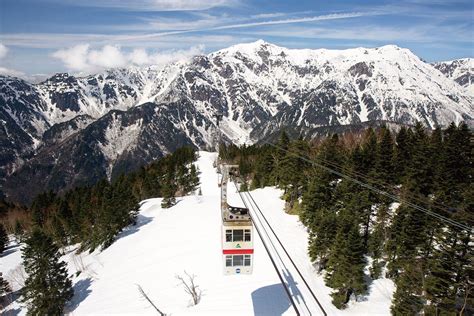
336, 191
370, 202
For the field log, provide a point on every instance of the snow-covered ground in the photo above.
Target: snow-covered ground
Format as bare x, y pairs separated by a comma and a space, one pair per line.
186, 237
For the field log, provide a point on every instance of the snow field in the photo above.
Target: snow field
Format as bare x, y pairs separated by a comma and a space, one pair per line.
187, 237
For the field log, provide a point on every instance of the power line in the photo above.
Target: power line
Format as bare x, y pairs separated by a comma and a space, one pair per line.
261, 225
370, 187
286, 252
412, 195
290, 297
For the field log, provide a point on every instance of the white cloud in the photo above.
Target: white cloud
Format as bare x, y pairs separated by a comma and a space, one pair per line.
75, 58
139, 56
373, 33
154, 5
334, 16
82, 58
107, 57
7, 71
11, 72
170, 29
269, 15
3, 51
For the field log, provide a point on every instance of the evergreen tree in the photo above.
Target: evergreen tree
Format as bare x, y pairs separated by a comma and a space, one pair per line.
3, 238
403, 150
377, 240
264, 166
346, 263
168, 191
48, 286
369, 153
407, 299
4, 290
40, 208
280, 154
292, 178
384, 162
193, 179
317, 214
18, 231
57, 231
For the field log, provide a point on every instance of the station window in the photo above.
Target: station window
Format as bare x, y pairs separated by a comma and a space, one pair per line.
247, 235
238, 235
238, 260
228, 235
247, 260
228, 261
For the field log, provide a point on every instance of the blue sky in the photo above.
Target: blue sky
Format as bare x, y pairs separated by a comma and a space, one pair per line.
80, 36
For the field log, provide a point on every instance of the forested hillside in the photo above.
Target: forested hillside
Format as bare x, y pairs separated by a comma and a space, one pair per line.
344, 191
94, 215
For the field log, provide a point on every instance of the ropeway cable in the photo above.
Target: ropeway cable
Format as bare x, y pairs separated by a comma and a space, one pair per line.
286, 252
283, 264
290, 297
411, 195
370, 187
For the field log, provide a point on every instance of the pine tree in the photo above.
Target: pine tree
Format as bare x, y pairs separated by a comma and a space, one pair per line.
403, 150
18, 231
57, 231
292, 177
193, 179
280, 154
3, 238
40, 208
384, 162
317, 214
263, 169
407, 299
168, 191
369, 152
48, 286
346, 263
4, 290
377, 241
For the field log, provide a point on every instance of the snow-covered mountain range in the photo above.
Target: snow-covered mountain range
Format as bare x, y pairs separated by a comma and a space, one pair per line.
68, 130
460, 70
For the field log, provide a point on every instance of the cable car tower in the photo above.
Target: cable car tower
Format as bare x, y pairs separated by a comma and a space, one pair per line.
237, 228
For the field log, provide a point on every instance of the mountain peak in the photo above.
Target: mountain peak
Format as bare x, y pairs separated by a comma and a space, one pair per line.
250, 48
59, 77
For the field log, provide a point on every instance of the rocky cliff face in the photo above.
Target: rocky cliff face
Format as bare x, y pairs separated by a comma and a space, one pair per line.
68, 131
460, 70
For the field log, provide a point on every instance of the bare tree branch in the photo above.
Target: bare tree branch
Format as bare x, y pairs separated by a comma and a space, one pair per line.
143, 294
191, 288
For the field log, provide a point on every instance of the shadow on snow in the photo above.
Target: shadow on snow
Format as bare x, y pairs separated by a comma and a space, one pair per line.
270, 300
132, 229
9, 299
81, 291
10, 249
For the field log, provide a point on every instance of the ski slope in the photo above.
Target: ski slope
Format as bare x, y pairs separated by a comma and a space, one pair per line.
186, 237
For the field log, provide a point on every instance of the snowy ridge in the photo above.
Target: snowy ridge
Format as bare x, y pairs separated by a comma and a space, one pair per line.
460, 70
258, 87
152, 253
119, 139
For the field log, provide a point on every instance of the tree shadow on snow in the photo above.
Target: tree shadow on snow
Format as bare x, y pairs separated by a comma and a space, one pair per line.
9, 299
81, 291
132, 229
11, 312
270, 300
9, 250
